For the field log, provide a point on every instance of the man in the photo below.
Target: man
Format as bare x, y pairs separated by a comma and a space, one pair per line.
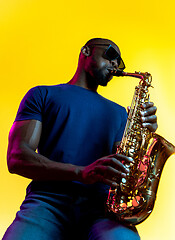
75, 132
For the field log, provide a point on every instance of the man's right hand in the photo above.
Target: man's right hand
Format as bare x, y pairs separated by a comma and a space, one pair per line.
109, 170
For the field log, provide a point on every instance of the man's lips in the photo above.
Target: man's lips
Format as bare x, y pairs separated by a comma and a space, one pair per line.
111, 70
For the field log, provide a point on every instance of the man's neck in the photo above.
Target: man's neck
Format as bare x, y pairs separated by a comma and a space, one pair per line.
80, 79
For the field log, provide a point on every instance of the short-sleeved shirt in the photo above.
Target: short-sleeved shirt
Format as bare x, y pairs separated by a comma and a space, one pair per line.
78, 125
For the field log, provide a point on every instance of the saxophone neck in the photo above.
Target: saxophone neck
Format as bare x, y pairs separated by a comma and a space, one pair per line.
144, 77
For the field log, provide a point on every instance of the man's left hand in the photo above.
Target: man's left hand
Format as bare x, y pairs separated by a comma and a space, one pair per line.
148, 117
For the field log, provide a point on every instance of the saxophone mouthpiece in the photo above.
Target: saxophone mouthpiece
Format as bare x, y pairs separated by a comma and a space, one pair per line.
118, 73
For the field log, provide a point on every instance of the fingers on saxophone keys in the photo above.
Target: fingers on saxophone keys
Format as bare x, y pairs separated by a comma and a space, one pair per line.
147, 105
151, 126
119, 171
124, 158
106, 177
113, 174
121, 162
148, 111
111, 183
149, 119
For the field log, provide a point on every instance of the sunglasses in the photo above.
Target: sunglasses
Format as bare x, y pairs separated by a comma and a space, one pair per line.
111, 54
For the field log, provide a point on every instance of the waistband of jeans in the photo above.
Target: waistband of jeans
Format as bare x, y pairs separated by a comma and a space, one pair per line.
68, 187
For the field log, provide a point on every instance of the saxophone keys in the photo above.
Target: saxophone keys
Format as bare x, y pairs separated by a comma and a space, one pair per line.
123, 180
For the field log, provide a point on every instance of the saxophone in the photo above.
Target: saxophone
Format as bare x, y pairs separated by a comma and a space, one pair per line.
133, 199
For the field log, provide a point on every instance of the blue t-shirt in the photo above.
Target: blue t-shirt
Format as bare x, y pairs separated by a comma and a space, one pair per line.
78, 125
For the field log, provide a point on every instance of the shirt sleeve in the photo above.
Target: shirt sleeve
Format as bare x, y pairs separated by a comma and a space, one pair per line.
31, 106
124, 117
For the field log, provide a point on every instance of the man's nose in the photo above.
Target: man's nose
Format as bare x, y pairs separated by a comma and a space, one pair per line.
114, 63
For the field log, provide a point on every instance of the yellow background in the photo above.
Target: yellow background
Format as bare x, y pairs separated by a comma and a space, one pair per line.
39, 44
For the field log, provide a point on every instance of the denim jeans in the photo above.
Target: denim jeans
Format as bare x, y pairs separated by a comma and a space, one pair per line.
71, 212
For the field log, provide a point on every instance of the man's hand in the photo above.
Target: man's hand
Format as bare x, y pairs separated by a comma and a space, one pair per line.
109, 170
148, 117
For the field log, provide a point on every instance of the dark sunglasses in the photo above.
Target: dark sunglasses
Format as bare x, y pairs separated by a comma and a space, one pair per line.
111, 54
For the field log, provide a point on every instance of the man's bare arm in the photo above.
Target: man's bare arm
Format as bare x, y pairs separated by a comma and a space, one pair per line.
23, 160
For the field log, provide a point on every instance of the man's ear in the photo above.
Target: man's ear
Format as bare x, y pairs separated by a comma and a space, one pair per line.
86, 51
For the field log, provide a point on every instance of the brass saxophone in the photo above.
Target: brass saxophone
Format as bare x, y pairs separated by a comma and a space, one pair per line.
133, 199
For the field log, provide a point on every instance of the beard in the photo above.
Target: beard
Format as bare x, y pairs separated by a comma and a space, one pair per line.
102, 77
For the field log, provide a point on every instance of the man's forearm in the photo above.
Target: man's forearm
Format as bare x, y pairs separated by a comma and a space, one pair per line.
29, 164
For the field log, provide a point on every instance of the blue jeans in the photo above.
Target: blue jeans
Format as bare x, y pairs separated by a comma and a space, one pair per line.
72, 212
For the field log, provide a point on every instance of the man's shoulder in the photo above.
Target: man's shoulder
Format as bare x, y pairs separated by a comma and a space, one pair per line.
44, 89
47, 87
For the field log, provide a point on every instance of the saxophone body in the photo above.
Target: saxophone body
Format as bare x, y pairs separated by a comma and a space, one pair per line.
133, 199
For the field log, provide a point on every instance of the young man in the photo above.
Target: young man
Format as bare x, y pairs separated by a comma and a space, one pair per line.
75, 132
